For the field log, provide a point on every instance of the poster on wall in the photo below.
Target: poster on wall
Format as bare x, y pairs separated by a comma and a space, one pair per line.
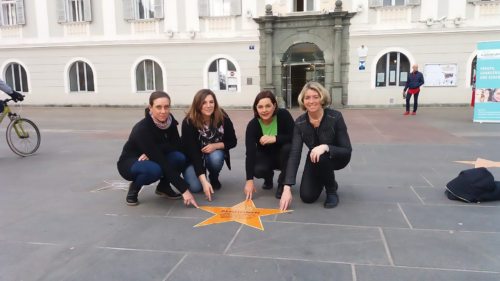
487, 95
440, 75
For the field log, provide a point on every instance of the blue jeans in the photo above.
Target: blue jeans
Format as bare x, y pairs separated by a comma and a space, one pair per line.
213, 163
147, 172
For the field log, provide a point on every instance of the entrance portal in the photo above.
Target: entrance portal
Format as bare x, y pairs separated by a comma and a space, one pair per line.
303, 63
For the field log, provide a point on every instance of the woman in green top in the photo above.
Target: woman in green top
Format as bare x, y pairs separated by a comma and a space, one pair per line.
268, 139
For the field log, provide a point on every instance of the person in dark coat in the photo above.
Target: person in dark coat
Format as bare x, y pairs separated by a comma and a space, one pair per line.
415, 80
153, 152
207, 135
268, 139
8, 90
324, 132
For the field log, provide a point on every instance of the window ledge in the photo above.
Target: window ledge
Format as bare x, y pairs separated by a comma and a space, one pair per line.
399, 7
144, 20
481, 3
14, 26
75, 23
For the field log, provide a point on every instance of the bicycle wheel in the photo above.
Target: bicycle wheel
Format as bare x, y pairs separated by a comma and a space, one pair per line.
23, 137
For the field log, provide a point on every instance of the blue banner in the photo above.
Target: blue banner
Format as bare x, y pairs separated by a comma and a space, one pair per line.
487, 93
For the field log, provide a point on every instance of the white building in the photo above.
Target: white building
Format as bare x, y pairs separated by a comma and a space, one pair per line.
115, 52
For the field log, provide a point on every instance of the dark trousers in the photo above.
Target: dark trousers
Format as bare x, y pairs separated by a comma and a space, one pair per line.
268, 160
317, 175
415, 102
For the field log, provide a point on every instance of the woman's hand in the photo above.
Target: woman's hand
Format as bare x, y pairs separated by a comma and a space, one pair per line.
207, 187
286, 198
317, 152
264, 140
209, 148
189, 199
249, 189
143, 157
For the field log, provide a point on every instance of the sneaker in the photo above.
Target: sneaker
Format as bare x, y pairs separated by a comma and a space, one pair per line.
167, 192
406, 113
279, 191
332, 200
413, 113
132, 195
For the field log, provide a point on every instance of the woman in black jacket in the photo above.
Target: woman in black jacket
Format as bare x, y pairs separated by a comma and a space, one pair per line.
152, 152
267, 140
207, 135
324, 132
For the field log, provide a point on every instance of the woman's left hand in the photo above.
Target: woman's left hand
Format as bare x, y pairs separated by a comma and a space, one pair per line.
209, 148
267, 140
143, 157
317, 152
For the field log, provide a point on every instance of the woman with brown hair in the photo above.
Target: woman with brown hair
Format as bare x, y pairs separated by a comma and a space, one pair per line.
153, 152
207, 135
267, 140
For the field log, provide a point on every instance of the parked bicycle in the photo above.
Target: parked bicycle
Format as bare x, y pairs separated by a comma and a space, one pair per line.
23, 136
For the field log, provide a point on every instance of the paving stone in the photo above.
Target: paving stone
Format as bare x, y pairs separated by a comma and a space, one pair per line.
444, 249
469, 217
312, 242
377, 273
218, 268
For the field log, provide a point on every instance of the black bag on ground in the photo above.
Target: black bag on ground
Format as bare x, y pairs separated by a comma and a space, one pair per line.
473, 185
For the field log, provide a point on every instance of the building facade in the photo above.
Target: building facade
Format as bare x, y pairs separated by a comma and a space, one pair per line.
115, 52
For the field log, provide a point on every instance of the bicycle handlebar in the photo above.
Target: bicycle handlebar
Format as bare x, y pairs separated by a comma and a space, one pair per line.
11, 99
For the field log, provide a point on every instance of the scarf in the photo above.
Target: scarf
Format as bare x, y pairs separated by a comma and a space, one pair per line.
162, 125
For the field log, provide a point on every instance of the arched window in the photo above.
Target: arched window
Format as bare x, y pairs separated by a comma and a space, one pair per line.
15, 76
222, 76
148, 76
81, 77
392, 70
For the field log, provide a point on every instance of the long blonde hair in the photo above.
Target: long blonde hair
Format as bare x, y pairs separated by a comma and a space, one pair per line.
194, 114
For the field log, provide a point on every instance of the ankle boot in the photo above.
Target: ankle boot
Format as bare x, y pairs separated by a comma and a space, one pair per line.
133, 192
214, 181
268, 181
332, 200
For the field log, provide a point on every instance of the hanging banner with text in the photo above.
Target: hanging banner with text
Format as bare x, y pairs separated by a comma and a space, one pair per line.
487, 98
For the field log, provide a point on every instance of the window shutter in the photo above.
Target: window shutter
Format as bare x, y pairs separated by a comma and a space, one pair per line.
128, 9
158, 9
87, 10
413, 2
235, 7
376, 3
20, 12
61, 11
203, 9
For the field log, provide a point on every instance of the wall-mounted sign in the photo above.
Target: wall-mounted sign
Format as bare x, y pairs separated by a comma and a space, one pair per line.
440, 75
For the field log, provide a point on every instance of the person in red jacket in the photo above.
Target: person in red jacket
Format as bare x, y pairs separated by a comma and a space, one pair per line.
415, 80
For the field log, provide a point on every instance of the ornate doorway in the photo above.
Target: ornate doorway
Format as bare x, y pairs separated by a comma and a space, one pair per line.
302, 62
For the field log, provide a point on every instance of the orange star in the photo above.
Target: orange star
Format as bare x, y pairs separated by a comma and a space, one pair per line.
480, 162
244, 213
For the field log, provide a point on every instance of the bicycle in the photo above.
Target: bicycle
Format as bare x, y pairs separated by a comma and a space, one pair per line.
23, 136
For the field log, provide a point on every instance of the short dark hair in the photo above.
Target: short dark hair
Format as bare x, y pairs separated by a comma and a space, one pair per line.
264, 95
157, 95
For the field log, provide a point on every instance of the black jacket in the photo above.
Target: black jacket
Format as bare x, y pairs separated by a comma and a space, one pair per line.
331, 131
473, 185
147, 138
192, 144
254, 133
415, 80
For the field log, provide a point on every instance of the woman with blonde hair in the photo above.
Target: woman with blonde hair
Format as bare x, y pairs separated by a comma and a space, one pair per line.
207, 135
324, 132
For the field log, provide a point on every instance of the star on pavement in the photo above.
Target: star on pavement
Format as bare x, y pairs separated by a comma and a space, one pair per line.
244, 213
480, 162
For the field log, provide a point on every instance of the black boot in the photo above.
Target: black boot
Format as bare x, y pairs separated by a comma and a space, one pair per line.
332, 200
133, 192
268, 181
214, 181
165, 190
